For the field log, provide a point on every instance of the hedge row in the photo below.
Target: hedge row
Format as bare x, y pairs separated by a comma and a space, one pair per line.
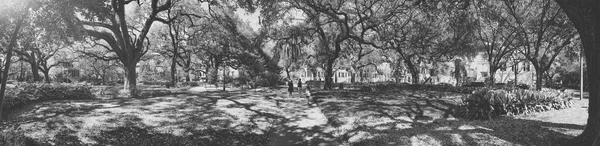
169, 84
488, 103
189, 84
392, 86
25, 93
440, 88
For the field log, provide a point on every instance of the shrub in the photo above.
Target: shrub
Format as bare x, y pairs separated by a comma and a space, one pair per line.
13, 138
189, 84
404, 86
488, 103
162, 83
25, 93
268, 80
152, 93
62, 92
106, 92
523, 86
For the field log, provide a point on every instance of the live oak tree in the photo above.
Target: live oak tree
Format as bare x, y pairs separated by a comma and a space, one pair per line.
358, 57
334, 23
424, 35
495, 35
247, 48
39, 48
543, 32
291, 47
182, 20
16, 13
108, 21
28, 52
584, 15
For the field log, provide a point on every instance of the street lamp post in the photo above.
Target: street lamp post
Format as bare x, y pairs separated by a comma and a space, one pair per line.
581, 74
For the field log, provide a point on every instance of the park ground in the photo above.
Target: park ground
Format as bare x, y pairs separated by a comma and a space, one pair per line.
267, 116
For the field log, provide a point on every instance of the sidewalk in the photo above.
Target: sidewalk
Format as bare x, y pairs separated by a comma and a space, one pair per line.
576, 93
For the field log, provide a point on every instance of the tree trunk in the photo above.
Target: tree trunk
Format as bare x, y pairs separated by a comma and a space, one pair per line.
213, 75
360, 75
329, 75
174, 68
492, 75
9, 54
207, 72
516, 72
457, 72
21, 76
46, 75
125, 80
187, 75
352, 77
131, 76
539, 78
34, 68
224, 77
584, 16
414, 71
104, 78
589, 136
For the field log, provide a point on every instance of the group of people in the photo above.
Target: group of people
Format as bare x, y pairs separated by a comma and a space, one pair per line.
291, 86
306, 91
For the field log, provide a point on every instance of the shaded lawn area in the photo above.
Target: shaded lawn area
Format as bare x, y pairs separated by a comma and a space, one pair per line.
423, 118
195, 118
267, 117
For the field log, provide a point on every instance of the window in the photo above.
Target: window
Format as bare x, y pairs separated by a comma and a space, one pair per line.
484, 74
73, 72
526, 67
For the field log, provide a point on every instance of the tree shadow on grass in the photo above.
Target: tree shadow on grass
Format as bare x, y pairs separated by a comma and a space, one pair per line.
501, 131
210, 118
428, 121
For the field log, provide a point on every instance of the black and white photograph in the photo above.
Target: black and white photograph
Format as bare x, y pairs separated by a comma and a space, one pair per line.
299, 72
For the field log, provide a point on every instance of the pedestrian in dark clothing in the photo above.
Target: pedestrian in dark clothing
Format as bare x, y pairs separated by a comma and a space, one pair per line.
299, 84
290, 87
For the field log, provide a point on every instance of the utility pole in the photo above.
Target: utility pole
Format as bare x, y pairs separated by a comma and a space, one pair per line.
224, 72
581, 74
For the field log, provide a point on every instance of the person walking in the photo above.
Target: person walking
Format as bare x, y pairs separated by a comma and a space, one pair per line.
299, 85
290, 87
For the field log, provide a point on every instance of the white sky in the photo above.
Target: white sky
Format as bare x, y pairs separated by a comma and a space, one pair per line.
251, 18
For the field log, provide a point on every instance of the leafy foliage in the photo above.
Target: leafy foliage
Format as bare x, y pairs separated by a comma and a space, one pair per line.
390, 86
14, 138
189, 84
488, 103
26, 93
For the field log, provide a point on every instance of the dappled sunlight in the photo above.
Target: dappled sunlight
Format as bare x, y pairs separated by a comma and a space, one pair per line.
279, 120
178, 115
429, 121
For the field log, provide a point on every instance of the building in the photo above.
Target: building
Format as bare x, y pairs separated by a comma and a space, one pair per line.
476, 69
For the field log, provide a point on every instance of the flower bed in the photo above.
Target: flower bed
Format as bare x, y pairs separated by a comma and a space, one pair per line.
488, 103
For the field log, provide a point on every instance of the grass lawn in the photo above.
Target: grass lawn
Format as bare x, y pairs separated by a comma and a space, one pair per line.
422, 118
196, 118
202, 116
